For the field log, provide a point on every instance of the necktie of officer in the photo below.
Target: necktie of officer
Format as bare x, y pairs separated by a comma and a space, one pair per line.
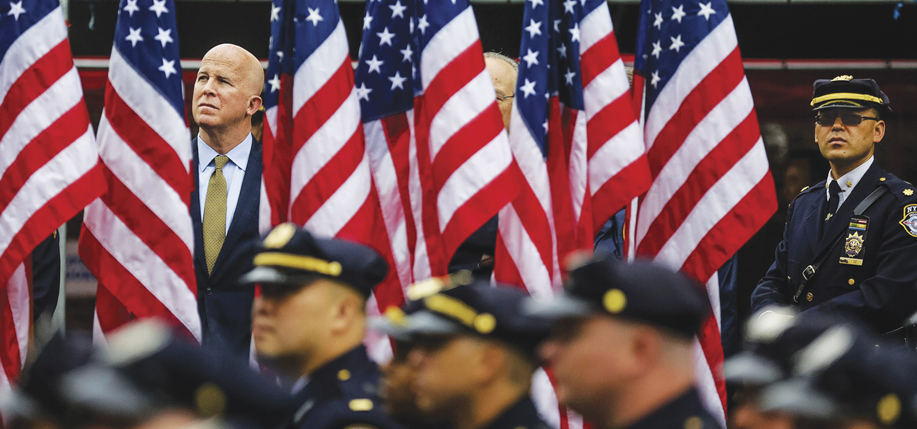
214, 222
833, 190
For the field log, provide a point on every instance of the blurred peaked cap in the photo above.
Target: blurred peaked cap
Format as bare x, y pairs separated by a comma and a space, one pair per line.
175, 371
290, 255
393, 322
847, 92
640, 291
478, 309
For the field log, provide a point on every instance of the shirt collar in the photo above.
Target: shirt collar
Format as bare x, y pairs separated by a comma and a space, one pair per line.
238, 155
850, 180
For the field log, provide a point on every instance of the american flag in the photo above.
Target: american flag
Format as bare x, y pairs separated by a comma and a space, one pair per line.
712, 189
331, 189
433, 128
137, 238
49, 167
575, 137
278, 103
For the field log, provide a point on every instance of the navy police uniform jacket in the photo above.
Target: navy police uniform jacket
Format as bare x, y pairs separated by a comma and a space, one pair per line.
342, 394
225, 305
869, 274
522, 415
684, 412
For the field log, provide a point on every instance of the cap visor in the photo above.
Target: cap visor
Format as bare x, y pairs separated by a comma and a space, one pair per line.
426, 323
387, 327
750, 368
265, 275
799, 398
558, 307
841, 105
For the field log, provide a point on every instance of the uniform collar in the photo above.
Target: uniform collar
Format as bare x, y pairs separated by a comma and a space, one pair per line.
676, 413
522, 415
343, 367
238, 155
848, 181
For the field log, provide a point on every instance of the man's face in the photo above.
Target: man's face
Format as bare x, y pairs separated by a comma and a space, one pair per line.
397, 385
848, 145
446, 370
223, 90
504, 78
289, 322
592, 362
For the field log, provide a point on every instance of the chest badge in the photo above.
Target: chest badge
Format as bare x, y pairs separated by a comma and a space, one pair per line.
909, 222
856, 239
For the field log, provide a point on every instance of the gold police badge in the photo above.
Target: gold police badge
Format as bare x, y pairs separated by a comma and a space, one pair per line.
854, 245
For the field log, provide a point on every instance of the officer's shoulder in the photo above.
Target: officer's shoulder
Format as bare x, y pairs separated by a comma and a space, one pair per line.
904, 191
808, 190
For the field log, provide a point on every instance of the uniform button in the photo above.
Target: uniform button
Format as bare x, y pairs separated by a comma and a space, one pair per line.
210, 291
343, 375
851, 282
810, 297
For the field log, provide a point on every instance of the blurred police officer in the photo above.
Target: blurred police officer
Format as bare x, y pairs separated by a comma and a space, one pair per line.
841, 380
309, 324
474, 356
850, 241
621, 347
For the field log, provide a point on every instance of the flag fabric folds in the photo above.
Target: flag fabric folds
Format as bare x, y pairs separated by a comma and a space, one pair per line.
711, 189
575, 137
49, 167
137, 237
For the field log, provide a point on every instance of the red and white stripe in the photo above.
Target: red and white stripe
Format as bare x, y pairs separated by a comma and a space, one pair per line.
137, 238
332, 191
461, 144
616, 161
48, 161
49, 169
16, 319
712, 189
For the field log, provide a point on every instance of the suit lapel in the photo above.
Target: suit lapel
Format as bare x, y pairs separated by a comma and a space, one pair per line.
246, 208
196, 209
839, 222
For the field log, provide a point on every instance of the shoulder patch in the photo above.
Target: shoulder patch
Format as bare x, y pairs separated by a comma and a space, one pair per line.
909, 221
361, 405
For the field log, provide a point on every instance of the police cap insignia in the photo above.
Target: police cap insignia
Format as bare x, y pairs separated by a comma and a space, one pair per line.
843, 77
361, 405
279, 236
888, 409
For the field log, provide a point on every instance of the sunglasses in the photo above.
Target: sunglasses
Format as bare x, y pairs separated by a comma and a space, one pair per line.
828, 119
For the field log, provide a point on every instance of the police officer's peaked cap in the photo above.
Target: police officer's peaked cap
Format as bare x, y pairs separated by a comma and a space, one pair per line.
641, 291
291, 255
842, 375
477, 309
773, 341
847, 92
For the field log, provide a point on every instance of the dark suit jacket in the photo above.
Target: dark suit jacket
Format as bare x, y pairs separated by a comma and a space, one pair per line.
225, 305
882, 292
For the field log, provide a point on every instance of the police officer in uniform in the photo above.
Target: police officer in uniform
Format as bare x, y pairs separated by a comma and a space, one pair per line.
474, 356
309, 324
621, 346
850, 241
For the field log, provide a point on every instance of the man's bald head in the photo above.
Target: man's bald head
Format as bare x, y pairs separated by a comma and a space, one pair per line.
227, 93
244, 60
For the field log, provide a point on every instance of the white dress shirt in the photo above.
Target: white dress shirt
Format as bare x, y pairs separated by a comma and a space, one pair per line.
233, 171
848, 181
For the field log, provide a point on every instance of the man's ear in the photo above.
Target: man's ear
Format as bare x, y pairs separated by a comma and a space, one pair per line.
879, 131
254, 103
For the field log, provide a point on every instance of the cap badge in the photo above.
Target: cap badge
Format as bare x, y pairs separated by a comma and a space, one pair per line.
361, 405
614, 301
889, 409
280, 236
210, 400
484, 323
843, 77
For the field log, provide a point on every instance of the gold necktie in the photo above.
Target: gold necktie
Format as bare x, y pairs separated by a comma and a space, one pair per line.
214, 221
